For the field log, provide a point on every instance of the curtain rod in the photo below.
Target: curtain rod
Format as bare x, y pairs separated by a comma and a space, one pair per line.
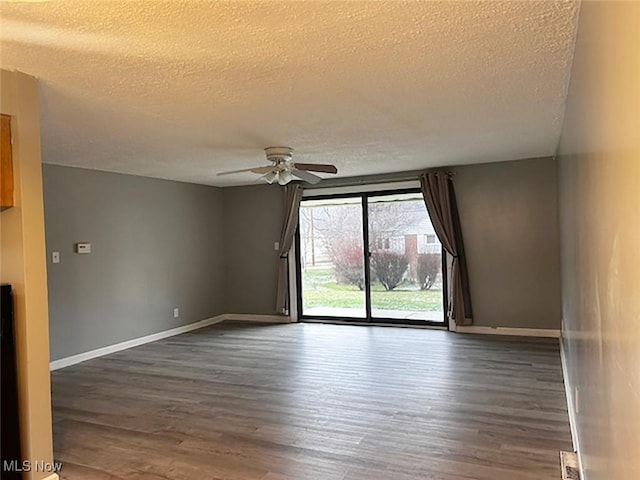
375, 179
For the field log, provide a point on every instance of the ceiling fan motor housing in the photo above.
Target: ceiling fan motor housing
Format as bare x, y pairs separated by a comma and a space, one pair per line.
279, 155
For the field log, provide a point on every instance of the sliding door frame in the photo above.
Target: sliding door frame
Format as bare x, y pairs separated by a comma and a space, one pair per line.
368, 319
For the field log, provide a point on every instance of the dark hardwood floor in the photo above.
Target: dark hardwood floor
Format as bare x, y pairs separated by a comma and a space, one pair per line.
315, 402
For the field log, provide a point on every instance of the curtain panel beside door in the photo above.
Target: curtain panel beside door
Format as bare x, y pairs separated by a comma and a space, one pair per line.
440, 198
292, 198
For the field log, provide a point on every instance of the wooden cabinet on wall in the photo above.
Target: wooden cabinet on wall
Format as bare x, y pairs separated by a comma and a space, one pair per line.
6, 164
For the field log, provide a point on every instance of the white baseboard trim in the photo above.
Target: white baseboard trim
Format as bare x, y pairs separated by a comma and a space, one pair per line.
521, 332
241, 317
570, 407
100, 352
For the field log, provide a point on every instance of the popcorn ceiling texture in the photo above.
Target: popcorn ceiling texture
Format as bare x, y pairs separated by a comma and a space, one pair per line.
185, 89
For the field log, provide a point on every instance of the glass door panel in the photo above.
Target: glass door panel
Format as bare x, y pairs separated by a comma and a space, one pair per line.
405, 259
331, 258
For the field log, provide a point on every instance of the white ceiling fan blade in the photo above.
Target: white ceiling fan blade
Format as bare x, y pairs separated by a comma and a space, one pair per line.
266, 169
306, 176
316, 167
254, 170
261, 178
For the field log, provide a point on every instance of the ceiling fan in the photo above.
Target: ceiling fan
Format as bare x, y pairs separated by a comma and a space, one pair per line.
283, 169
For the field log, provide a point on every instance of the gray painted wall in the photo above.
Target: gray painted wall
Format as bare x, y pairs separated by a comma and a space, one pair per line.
156, 245
252, 223
509, 217
599, 163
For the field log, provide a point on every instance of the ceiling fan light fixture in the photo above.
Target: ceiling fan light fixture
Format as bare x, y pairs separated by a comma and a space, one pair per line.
285, 177
271, 176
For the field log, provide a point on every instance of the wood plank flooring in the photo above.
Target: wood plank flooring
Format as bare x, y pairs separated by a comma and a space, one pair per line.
240, 401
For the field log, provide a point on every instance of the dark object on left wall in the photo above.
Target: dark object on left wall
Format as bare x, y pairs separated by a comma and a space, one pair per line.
11, 460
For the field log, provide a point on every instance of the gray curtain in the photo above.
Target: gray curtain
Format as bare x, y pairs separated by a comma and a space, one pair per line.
292, 197
440, 197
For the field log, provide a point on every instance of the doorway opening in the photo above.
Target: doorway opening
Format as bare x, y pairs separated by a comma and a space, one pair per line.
370, 257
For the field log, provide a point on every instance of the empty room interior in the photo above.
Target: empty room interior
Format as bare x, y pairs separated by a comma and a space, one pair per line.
320, 240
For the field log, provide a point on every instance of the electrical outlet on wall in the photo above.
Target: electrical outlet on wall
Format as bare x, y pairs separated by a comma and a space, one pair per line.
176, 312
83, 248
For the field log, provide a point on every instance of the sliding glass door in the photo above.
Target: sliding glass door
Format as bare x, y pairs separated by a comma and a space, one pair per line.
371, 257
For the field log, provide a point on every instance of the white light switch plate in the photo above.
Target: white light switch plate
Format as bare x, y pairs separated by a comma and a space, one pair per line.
276, 246
55, 257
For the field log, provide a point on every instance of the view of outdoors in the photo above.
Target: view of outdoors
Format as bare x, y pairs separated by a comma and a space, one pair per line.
405, 258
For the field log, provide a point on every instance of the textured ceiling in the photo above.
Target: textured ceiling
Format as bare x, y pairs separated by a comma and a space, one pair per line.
185, 89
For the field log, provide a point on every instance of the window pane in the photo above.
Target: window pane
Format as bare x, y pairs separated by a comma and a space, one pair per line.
332, 258
406, 275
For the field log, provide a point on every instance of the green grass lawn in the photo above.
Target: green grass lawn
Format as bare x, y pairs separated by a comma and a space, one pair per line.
320, 289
